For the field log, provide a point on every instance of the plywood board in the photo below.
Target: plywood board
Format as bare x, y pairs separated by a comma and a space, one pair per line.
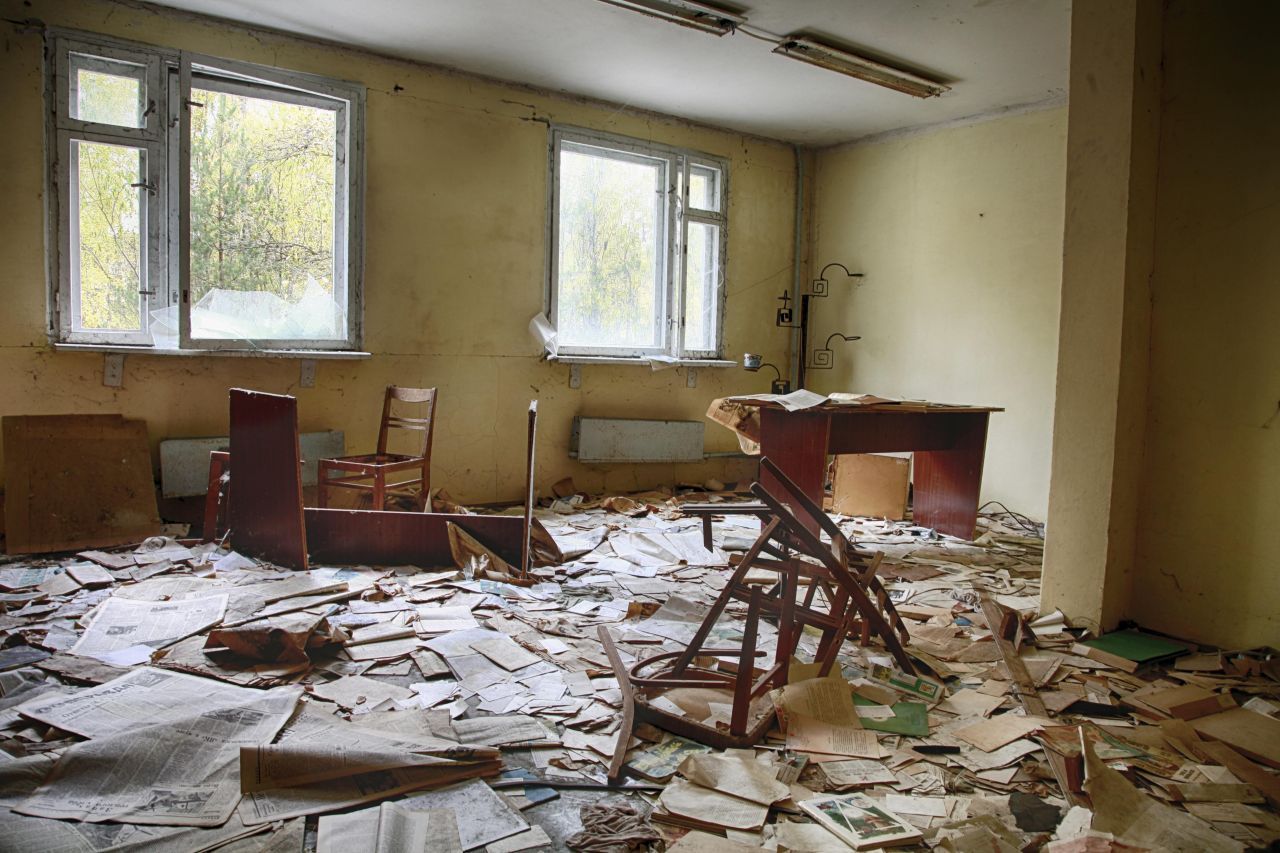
76, 481
266, 508
871, 485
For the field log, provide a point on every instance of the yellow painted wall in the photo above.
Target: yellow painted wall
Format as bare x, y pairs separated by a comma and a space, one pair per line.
959, 234
1208, 556
454, 248
1098, 428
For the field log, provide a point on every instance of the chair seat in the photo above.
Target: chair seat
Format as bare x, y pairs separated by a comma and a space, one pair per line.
371, 461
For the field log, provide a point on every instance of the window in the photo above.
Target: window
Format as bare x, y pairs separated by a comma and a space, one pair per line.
200, 203
637, 248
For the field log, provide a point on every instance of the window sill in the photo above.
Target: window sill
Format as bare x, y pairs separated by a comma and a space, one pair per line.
237, 353
642, 361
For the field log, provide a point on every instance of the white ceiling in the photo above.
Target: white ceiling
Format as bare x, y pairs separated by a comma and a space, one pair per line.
993, 53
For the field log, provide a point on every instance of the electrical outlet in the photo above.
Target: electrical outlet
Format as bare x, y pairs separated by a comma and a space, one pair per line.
307, 373
113, 370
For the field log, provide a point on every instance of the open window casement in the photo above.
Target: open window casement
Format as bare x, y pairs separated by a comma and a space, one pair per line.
288, 280
199, 203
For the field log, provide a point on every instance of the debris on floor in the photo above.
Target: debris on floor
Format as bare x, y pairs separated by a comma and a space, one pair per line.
179, 697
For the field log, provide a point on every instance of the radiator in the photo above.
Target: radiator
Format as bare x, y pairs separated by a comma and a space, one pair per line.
634, 440
184, 462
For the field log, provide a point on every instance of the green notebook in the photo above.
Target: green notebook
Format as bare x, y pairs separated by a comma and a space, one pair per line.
1137, 646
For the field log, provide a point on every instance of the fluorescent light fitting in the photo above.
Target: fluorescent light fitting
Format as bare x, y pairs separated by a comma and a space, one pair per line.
843, 62
687, 13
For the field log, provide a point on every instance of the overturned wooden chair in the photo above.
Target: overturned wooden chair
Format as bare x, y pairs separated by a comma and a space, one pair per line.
831, 587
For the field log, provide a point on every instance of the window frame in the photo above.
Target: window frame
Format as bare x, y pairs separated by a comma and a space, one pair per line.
670, 315
166, 136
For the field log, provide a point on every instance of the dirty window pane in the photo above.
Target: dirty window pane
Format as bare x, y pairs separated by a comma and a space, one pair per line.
108, 219
701, 277
262, 220
704, 188
611, 243
107, 91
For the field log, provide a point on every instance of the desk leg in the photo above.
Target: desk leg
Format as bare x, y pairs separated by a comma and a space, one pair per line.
797, 444
947, 482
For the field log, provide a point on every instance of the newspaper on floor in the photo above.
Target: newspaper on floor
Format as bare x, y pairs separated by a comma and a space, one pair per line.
123, 622
164, 748
483, 815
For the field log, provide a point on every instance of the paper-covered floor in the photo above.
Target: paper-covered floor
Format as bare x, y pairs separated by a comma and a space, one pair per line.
181, 698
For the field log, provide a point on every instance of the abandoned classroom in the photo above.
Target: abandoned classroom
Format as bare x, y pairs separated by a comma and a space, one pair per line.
639, 425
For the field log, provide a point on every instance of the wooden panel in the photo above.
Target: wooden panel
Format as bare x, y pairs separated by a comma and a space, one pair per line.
352, 536
77, 481
947, 482
797, 443
266, 513
883, 431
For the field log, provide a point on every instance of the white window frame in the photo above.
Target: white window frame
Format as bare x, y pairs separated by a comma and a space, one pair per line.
166, 138
677, 217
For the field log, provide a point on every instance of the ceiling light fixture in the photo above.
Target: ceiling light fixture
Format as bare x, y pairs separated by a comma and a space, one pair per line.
843, 62
688, 13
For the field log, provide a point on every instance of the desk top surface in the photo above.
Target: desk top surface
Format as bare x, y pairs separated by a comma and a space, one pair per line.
807, 401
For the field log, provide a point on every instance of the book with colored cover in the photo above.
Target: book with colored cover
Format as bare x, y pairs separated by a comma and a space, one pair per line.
860, 821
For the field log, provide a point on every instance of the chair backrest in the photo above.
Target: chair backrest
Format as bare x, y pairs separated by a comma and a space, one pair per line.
391, 420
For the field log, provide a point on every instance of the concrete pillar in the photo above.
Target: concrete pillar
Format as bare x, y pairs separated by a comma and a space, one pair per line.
1104, 325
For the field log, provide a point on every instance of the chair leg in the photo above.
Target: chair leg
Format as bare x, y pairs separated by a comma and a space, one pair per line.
379, 490
322, 485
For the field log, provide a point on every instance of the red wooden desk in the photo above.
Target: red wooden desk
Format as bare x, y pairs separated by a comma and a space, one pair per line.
948, 443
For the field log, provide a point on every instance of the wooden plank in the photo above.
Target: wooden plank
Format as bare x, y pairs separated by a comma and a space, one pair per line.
354, 536
526, 558
77, 481
266, 515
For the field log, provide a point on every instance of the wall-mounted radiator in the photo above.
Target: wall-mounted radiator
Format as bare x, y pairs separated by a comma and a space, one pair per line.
633, 440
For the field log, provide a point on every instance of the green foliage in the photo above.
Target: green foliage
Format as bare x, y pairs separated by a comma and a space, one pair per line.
262, 200
108, 255
110, 223
262, 195
609, 262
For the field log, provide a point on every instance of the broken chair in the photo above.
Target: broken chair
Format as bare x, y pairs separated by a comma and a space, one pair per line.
794, 579
354, 472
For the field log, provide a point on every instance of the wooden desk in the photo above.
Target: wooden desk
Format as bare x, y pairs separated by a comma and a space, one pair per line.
948, 443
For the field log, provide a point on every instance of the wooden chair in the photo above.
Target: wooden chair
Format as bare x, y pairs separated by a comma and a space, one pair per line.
351, 472
829, 588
